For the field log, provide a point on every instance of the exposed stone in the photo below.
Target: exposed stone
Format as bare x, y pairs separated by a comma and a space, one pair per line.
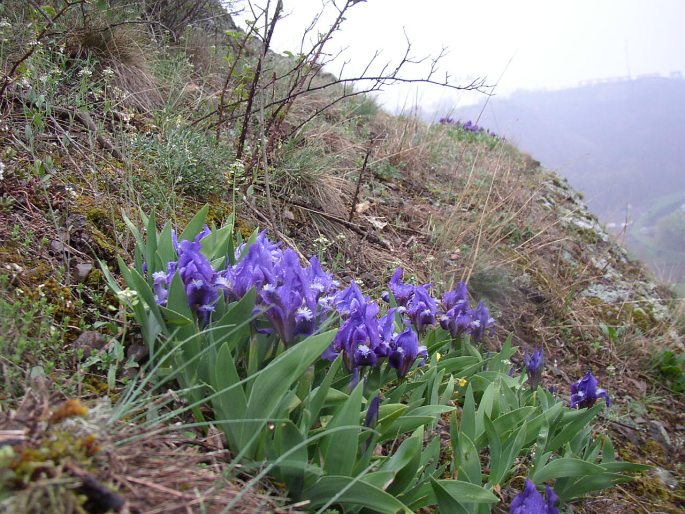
83, 270
137, 352
659, 433
666, 478
90, 341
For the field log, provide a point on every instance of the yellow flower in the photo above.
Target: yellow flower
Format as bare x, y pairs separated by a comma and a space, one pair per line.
463, 382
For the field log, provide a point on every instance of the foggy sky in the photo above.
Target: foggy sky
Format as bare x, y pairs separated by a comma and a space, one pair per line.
548, 44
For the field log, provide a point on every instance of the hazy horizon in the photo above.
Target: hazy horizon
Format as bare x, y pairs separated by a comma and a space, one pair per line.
530, 44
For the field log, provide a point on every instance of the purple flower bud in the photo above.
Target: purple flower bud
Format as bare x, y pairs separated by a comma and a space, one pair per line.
585, 392
534, 363
531, 501
372, 412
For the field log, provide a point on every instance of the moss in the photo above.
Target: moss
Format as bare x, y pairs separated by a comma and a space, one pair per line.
656, 452
588, 235
652, 487
244, 228
106, 248
98, 217
95, 278
60, 297
642, 319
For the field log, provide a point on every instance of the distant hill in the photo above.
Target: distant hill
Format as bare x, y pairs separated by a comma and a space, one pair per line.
621, 143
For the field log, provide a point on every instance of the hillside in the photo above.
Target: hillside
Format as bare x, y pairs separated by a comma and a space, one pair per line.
122, 121
618, 142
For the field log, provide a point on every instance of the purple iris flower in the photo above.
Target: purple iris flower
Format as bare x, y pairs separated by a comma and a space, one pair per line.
422, 308
585, 392
321, 284
531, 501
256, 269
349, 300
199, 278
358, 338
534, 363
459, 297
401, 291
386, 326
405, 349
197, 274
481, 322
204, 233
162, 283
291, 301
458, 313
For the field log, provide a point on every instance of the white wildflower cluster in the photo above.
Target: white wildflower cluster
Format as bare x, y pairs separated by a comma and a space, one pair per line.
2, 170
85, 73
108, 73
70, 191
322, 243
128, 296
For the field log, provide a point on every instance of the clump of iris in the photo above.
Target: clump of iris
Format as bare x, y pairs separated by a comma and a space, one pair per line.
467, 126
298, 299
365, 339
295, 299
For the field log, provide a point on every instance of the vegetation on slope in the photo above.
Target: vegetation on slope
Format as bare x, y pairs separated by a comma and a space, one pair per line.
164, 107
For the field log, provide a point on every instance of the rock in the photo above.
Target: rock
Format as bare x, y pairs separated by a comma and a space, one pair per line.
56, 247
90, 341
137, 352
660, 435
666, 478
83, 270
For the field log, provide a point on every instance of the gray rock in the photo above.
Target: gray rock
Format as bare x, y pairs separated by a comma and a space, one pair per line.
660, 435
90, 341
83, 270
666, 478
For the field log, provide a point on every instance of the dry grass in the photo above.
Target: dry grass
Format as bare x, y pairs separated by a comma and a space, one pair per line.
127, 50
63, 464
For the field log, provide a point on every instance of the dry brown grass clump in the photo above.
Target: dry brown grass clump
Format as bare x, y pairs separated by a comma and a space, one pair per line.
127, 50
59, 457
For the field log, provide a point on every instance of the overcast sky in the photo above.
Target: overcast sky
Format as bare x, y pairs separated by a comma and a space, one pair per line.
530, 44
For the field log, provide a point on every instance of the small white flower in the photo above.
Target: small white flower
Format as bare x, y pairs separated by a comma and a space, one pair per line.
85, 73
128, 295
2, 170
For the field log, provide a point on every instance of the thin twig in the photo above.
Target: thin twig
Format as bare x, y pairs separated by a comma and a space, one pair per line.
360, 178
